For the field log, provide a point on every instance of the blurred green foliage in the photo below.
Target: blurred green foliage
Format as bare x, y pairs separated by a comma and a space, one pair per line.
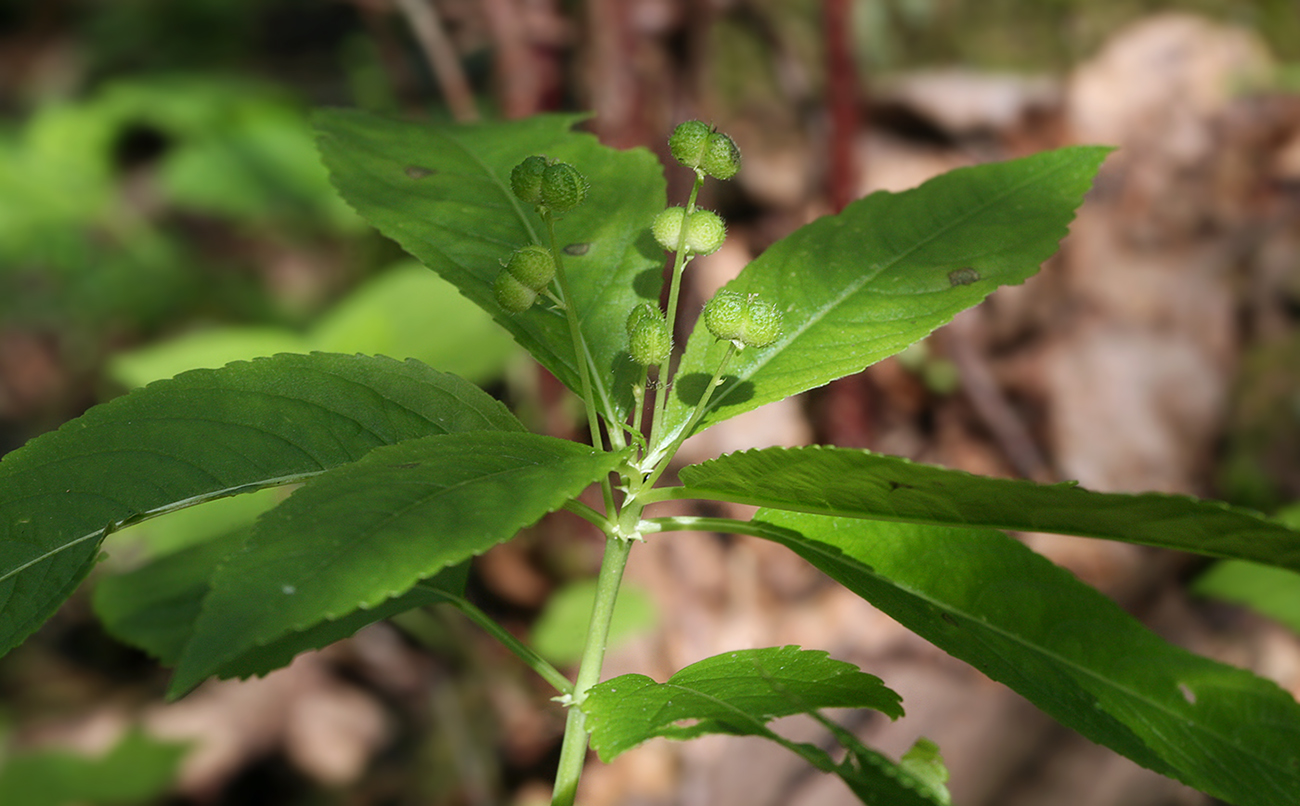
406, 312
560, 633
136, 770
104, 203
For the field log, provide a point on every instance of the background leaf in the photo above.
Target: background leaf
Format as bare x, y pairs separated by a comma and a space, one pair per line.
362, 534
923, 761
203, 435
1273, 592
560, 632
410, 312
862, 285
1025, 622
137, 770
861, 484
390, 315
738, 693
443, 193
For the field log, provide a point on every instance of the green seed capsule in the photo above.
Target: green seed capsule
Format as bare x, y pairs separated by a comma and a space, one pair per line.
688, 142
705, 232
533, 266
724, 315
511, 294
526, 179
762, 324
721, 158
667, 227
563, 188
649, 341
642, 312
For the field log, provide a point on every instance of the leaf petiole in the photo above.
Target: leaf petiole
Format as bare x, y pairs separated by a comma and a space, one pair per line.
579, 351
658, 457
680, 259
524, 652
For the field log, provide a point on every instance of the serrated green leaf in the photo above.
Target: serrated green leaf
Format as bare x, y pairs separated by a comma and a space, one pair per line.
738, 693
917, 778
845, 482
735, 692
203, 435
862, 285
155, 607
443, 193
1023, 621
263, 658
364, 533
136, 770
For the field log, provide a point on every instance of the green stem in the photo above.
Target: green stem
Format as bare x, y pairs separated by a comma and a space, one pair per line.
590, 514
573, 751
525, 653
660, 401
638, 399
658, 458
579, 352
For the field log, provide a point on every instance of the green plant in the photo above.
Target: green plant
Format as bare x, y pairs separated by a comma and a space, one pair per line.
408, 473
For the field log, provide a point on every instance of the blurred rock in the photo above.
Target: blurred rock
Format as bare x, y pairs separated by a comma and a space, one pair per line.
962, 101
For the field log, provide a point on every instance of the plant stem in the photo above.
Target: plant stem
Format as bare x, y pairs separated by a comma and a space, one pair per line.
660, 400
638, 399
573, 752
579, 353
658, 458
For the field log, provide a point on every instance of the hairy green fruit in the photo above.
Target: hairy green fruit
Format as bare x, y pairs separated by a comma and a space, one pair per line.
563, 188
721, 158
511, 294
667, 227
533, 266
688, 141
724, 315
742, 319
705, 232
526, 179
649, 341
697, 145
642, 312
762, 324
